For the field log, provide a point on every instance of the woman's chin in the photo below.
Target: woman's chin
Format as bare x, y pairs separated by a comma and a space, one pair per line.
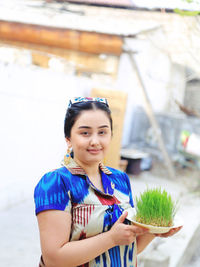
95, 157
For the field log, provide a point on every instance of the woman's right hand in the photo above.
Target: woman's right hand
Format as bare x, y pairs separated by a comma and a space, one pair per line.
123, 234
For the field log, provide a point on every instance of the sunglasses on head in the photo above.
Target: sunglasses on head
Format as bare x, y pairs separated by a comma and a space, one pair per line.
76, 100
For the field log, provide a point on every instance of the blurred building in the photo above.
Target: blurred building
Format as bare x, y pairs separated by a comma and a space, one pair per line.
52, 51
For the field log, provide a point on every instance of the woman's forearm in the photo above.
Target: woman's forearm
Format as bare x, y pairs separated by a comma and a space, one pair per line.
75, 253
58, 251
143, 241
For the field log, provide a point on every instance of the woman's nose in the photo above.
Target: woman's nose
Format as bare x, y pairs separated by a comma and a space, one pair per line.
94, 139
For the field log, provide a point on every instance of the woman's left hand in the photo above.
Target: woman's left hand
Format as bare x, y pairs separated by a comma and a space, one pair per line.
171, 232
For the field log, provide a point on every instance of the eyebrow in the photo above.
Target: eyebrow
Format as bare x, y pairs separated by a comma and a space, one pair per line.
88, 127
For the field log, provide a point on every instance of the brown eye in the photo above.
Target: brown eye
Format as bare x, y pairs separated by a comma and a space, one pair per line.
85, 133
102, 132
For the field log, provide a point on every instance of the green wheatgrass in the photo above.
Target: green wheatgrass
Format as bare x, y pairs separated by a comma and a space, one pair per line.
155, 207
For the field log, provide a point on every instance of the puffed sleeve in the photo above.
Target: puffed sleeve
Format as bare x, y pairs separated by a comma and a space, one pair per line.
52, 193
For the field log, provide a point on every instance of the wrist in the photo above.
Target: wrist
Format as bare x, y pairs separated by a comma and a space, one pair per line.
111, 238
150, 236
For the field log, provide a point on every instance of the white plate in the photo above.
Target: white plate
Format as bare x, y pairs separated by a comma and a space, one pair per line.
157, 229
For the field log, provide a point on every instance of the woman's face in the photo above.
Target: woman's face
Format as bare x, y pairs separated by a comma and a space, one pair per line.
90, 137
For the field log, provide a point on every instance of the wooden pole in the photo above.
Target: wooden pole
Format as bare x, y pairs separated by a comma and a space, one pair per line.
83, 41
152, 118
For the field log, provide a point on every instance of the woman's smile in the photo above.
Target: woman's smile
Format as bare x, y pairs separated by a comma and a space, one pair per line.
94, 151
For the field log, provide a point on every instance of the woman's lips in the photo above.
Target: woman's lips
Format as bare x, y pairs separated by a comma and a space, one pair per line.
94, 151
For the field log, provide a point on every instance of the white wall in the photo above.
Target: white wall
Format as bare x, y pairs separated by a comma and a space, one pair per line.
164, 80
33, 102
32, 109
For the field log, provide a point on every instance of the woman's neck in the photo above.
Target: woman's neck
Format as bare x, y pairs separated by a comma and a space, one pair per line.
93, 173
90, 169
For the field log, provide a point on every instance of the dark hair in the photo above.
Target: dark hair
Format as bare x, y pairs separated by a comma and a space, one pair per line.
75, 110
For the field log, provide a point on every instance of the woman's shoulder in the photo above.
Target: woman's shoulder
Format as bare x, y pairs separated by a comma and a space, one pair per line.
62, 171
51, 192
117, 172
53, 178
120, 179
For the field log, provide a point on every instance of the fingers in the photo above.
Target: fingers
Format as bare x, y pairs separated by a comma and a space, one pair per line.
177, 228
132, 229
122, 217
125, 234
172, 232
138, 230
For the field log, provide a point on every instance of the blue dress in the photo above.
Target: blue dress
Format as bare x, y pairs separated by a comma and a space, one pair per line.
69, 189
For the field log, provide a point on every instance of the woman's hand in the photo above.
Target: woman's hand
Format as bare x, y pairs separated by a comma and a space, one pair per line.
123, 234
171, 232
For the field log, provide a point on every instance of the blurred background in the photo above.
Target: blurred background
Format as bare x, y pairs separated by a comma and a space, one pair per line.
141, 55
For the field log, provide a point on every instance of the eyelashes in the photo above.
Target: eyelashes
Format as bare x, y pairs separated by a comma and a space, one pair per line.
89, 134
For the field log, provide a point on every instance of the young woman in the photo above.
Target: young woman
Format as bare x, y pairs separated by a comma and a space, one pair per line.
82, 207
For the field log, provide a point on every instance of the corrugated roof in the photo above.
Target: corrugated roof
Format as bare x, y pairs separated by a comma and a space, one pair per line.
84, 18
123, 3
168, 4
145, 4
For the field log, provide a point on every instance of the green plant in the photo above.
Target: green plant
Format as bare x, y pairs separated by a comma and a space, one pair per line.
188, 12
155, 207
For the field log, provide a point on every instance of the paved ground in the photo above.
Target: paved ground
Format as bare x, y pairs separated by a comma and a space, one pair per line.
195, 261
20, 238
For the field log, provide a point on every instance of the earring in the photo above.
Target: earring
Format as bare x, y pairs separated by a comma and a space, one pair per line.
67, 157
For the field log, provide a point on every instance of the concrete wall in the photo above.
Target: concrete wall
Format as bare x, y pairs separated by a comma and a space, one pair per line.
192, 95
33, 100
164, 81
181, 38
32, 109
33, 103
171, 125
